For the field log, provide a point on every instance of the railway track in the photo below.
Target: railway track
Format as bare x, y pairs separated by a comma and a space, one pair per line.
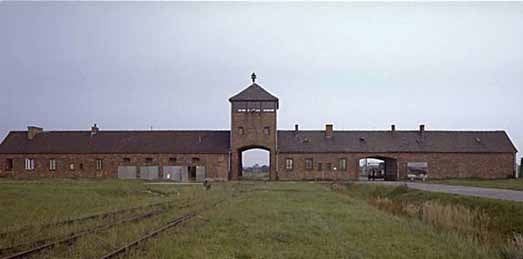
84, 218
173, 223
71, 238
126, 248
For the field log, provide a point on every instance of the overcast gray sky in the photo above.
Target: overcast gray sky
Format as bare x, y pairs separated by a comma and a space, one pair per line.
174, 65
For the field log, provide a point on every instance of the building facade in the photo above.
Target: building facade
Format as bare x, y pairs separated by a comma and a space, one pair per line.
296, 154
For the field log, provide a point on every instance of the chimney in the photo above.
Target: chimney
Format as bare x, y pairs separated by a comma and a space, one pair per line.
94, 130
421, 130
295, 128
33, 131
393, 129
328, 130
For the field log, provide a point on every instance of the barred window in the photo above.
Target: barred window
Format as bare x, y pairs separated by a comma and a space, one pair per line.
267, 131
342, 164
29, 164
9, 164
289, 164
52, 164
99, 164
308, 163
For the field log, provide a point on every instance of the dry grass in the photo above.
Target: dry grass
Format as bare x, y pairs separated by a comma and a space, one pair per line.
473, 224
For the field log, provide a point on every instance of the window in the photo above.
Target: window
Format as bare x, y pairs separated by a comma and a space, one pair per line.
267, 131
29, 164
320, 166
342, 164
172, 159
99, 164
308, 164
71, 166
328, 167
195, 159
126, 160
9, 164
149, 160
81, 166
241, 131
52, 164
289, 164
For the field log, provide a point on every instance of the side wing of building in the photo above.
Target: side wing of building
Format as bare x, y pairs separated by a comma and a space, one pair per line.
157, 154
444, 154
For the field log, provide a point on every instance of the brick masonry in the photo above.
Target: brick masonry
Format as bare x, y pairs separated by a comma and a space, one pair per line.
216, 164
440, 165
254, 135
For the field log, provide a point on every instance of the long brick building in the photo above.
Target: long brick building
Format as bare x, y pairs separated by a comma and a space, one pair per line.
296, 154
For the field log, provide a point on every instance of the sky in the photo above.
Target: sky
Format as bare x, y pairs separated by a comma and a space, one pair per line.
457, 66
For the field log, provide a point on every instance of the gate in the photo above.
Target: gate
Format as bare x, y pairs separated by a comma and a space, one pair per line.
174, 173
149, 172
200, 173
127, 172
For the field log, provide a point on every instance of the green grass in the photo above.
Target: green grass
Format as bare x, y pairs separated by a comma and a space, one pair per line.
506, 216
304, 220
250, 220
512, 184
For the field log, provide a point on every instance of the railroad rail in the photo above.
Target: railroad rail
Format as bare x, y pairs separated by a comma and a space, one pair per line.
127, 247
76, 235
85, 218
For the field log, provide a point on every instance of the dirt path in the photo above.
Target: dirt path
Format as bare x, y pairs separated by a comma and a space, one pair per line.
492, 193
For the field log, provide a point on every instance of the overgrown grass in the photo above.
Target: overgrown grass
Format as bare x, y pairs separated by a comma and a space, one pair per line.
495, 223
251, 220
511, 184
306, 220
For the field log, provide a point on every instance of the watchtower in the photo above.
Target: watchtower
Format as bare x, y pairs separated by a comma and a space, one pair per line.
253, 125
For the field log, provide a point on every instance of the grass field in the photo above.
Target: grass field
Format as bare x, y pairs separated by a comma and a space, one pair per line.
512, 184
243, 220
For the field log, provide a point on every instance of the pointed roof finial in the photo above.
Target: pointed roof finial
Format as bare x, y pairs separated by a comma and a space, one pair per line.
253, 77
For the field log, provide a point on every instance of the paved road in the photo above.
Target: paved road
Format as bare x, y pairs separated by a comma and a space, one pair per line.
500, 194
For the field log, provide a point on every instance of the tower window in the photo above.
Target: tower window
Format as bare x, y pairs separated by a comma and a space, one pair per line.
266, 130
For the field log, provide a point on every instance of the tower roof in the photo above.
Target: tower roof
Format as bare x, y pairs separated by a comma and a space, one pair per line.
254, 93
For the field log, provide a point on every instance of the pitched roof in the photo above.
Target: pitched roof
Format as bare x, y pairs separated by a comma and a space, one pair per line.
81, 142
254, 93
400, 141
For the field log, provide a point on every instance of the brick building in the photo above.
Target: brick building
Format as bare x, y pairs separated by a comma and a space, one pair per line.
293, 154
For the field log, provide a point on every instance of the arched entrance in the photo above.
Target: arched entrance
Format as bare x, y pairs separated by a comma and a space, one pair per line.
378, 168
254, 163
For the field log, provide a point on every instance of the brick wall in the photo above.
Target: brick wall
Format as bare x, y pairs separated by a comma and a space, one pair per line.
440, 165
216, 164
253, 124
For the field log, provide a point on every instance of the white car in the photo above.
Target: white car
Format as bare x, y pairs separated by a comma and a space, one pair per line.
413, 177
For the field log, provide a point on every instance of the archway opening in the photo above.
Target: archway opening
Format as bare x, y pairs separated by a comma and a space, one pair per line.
378, 169
255, 164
